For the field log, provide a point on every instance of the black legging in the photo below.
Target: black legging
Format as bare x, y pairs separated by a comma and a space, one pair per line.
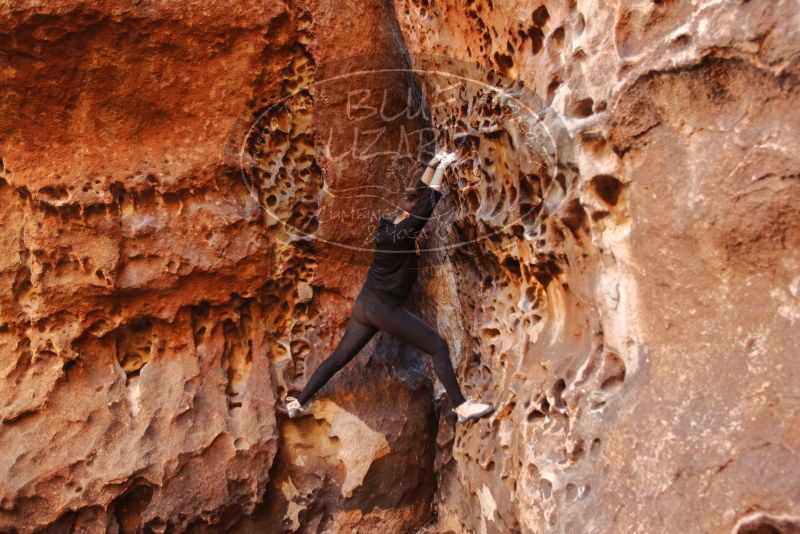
371, 314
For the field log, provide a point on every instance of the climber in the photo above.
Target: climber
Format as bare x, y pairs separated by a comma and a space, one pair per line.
378, 305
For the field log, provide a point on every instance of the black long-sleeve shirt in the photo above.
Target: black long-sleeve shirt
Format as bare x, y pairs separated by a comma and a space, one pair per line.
394, 262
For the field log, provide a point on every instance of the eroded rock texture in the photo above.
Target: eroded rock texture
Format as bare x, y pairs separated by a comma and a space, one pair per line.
181, 245
152, 311
637, 328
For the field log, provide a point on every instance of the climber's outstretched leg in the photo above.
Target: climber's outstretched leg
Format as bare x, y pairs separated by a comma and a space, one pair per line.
400, 322
356, 335
370, 314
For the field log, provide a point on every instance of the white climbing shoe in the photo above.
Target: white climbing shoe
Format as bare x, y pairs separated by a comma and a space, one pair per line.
469, 410
293, 407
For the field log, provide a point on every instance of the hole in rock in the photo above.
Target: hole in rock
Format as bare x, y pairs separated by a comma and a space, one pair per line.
613, 371
134, 344
558, 390
540, 16
551, 90
535, 415
54, 192
119, 193
607, 188
533, 471
512, 265
577, 451
600, 214
536, 36
562, 181
491, 332
546, 487
594, 450
582, 108
557, 37
22, 282
69, 365
683, 39
761, 523
574, 216
129, 507
504, 62
571, 492
580, 24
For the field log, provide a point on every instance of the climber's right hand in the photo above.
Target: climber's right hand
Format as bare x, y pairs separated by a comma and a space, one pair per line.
448, 159
437, 158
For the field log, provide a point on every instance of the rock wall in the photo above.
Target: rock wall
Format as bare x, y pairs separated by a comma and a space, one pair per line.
634, 312
160, 176
186, 192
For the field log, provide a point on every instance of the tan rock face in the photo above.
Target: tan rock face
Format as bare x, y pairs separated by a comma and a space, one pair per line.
187, 196
638, 331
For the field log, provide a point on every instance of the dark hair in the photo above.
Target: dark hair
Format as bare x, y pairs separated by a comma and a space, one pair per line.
408, 199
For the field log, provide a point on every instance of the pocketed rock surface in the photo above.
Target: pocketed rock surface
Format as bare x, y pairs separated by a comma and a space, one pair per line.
638, 331
185, 199
153, 314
